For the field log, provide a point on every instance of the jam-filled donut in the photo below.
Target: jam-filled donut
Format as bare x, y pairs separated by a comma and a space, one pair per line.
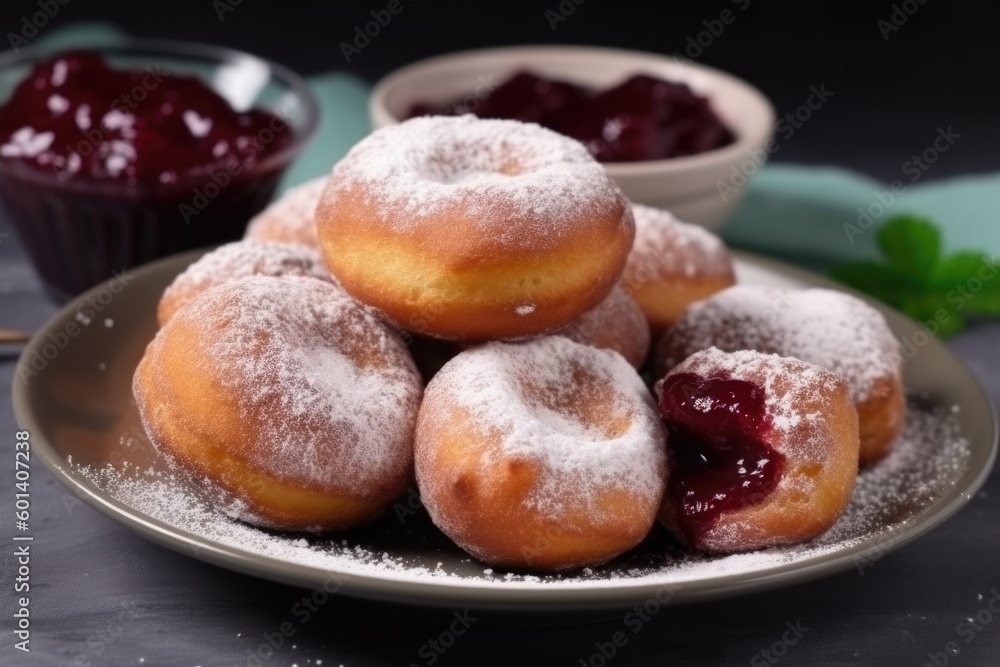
287, 395
239, 260
763, 450
616, 323
291, 218
470, 229
547, 455
824, 327
673, 264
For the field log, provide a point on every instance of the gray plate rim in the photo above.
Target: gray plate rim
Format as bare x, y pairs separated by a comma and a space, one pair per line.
489, 595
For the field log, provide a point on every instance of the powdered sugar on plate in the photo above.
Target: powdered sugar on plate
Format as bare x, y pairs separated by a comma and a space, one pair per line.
929, 459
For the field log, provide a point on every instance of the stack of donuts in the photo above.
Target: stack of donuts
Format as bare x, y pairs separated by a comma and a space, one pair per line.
473, 305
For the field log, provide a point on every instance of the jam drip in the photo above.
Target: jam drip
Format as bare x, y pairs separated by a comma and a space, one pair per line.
643, 118
719, 458
77, 118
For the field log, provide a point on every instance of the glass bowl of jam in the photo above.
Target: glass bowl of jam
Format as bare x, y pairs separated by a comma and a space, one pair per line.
114, 157
672, 133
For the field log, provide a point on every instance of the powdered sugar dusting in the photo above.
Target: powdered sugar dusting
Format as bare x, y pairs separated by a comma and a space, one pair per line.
252, 258
529, 394
665, 245
239, 260
927, 461
523, 185
320, 377
824, 327
292, 217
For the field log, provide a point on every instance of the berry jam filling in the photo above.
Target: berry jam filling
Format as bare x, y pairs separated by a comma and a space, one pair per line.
719, 458
643, 118
77, 118
186, 170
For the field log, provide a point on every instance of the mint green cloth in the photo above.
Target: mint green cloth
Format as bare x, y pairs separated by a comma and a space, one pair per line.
811, 216
806, 215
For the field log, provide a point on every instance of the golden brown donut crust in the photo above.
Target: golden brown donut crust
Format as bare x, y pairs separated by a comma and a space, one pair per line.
481, 510
440, 285
194, 412
492, 493
673, 264
474, 229
291, 218
664, 298
617, 323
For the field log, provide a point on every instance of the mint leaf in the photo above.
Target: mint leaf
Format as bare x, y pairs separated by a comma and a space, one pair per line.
941, 293
950, 325
970, 281
911, 244
883, 282
932, 310
955, 270
986, 302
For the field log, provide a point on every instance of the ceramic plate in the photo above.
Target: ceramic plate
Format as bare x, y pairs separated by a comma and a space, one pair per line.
72, 390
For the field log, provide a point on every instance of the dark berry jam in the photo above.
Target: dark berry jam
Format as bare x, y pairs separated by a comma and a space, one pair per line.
104, 169
720, 460
643, 118
77, 118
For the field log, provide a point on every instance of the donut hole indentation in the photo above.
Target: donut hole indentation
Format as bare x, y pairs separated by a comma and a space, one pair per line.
581, 406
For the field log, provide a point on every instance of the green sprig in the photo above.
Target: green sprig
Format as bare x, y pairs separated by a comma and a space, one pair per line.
918, 280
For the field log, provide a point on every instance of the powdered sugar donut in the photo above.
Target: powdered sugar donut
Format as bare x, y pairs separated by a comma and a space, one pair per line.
239, 260
291, 218
824, 327
673, 264
616, 323
545, 455
763, 450
470, 229
286, 394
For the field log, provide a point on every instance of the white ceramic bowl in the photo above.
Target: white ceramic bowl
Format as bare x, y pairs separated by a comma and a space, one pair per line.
702, 188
